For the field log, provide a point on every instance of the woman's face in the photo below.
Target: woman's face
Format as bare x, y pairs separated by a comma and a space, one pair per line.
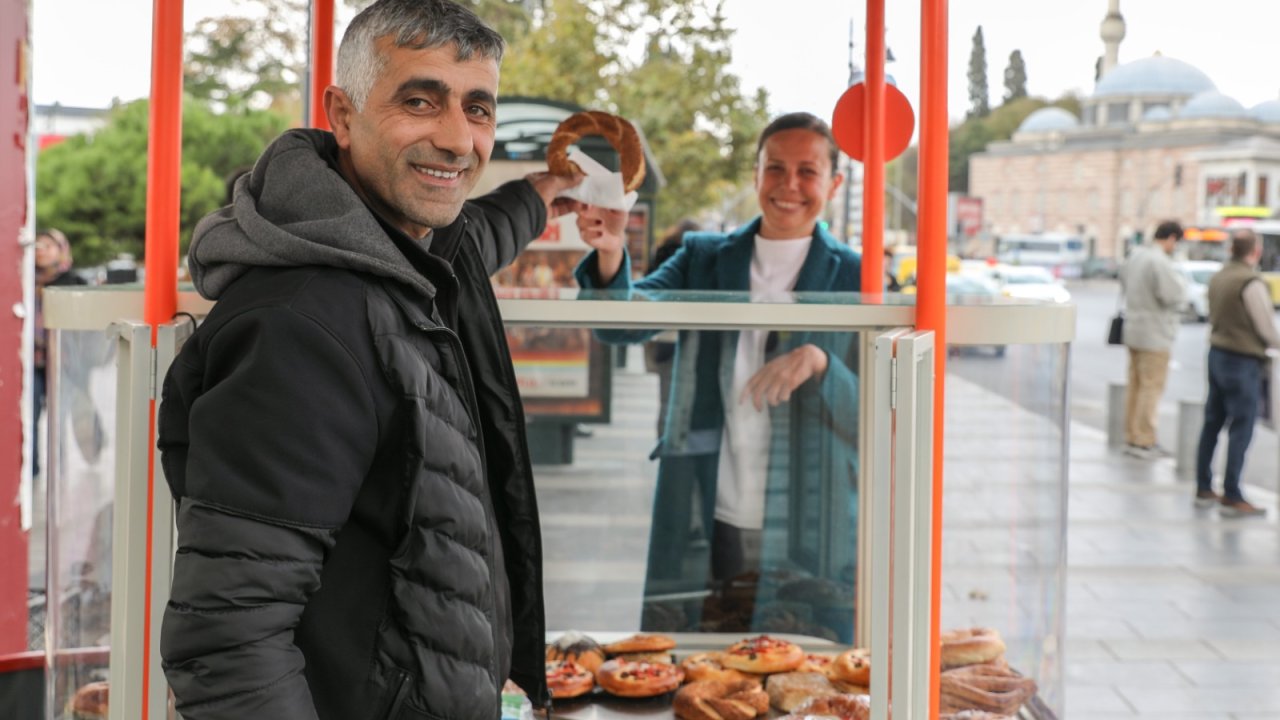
794, 182
46, 252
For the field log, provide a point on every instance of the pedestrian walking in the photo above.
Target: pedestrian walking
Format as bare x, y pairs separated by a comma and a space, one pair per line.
1154, 293
1242, 335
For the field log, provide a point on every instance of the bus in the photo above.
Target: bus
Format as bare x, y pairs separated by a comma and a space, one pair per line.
1059, 253
1269, 234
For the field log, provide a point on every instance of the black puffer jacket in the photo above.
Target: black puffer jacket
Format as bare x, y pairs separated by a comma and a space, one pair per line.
358, 534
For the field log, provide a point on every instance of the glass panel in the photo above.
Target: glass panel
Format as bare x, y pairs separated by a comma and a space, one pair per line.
1004, 533
680, 534
81, 472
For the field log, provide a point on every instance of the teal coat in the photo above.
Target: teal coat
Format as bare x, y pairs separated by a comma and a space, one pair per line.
810, 507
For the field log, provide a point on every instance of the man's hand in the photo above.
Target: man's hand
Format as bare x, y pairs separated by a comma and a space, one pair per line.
549, 186
603, 229
779, 377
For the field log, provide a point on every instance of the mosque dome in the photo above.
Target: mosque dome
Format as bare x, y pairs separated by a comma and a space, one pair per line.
1155, 75
1267, 112
1212, 104
1159, 113
1049, 119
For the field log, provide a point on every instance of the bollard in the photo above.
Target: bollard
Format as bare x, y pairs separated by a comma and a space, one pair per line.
1190, 420
1116, 393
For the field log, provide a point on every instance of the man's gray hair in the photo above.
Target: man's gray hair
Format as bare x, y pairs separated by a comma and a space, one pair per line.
417, 24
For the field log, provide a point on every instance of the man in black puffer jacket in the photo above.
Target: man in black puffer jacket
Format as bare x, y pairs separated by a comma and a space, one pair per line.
358, 535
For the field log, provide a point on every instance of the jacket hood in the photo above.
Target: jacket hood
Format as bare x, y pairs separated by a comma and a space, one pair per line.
294, 209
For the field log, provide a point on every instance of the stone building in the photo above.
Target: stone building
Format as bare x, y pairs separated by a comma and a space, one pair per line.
1156, 141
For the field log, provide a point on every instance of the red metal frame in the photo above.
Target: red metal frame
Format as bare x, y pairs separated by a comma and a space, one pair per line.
873, 164
13, 221
321, 60
931, 236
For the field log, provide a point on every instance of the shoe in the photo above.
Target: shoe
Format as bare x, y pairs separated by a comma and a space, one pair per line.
1207, 498
1146, 452
1240, 508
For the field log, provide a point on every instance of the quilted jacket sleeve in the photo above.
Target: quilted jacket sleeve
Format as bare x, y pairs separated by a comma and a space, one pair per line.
280, 430
509, 218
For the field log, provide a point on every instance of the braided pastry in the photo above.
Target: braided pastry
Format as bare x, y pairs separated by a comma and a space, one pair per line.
716, 700
987, 688
621, 135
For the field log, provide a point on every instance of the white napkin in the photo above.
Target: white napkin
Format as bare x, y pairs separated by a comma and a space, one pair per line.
600, 187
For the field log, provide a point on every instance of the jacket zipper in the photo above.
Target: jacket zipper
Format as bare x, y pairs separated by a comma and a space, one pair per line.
473, 411
397, 697
542, 693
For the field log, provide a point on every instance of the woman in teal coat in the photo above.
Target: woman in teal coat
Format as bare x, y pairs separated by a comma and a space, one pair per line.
761, 426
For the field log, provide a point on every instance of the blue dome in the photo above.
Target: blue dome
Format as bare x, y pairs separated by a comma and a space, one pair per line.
1049, 119
1212, 104
1156, 75
1267, 112
1159, 113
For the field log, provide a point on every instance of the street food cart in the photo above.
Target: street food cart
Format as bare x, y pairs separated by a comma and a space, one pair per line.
964, 532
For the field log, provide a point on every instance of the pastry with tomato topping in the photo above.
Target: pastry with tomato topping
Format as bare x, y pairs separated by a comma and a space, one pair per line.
625, 678
762, 655
640, 643
567, 679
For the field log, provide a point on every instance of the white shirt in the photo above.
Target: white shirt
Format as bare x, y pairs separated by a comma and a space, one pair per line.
744, 445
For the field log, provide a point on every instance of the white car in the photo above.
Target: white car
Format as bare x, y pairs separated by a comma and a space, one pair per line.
1030, 283
1197, 274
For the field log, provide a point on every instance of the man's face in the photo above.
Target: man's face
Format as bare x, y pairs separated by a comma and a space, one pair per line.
417, 148
794, 183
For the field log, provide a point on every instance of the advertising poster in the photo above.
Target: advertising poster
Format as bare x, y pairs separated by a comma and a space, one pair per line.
560, 371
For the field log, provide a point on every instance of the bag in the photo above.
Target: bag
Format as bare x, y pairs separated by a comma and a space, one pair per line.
1115, 335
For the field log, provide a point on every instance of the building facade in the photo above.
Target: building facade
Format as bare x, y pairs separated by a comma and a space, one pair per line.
1156, 141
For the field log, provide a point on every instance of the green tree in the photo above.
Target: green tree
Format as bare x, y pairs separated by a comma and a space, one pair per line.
93, 188
979, 104
698, 121
1015, 77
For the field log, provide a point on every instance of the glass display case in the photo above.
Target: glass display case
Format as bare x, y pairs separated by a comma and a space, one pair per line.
835, 479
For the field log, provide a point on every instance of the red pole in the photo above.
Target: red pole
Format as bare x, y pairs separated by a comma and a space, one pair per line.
13, 220
931, 302
873, 167
164, 197
321, 59
164, 164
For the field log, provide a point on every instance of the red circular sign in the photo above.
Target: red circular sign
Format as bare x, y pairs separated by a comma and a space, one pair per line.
849, 121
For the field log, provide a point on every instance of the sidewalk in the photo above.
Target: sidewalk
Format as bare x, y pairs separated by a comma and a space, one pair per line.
1172, 611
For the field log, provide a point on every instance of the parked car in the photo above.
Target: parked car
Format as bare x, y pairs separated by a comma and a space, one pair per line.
1197, 274
1030, 283
965, 287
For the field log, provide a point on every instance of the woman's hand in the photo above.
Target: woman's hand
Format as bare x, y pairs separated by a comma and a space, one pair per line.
604, 230
779, 377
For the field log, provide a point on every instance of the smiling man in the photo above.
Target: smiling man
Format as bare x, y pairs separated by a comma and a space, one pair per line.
358, 536
740, 400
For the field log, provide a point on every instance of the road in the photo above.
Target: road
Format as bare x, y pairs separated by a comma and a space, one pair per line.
1025, 375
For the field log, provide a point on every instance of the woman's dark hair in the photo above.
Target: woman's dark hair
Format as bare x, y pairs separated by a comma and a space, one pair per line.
801, 121
670, 243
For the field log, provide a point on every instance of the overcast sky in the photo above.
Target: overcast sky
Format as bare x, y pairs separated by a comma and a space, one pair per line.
86, 52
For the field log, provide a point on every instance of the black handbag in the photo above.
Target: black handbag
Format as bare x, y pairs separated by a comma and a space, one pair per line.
1115, 335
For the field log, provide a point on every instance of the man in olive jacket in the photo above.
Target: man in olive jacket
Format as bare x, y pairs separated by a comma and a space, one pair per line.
1242, 336
358, 534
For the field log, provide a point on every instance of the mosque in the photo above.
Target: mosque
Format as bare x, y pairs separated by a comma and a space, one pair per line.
1156, 141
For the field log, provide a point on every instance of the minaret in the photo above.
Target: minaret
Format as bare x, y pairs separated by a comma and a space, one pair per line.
1112, 34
